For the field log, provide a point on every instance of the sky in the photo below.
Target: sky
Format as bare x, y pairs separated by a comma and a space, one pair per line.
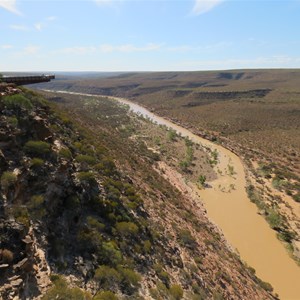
148, 35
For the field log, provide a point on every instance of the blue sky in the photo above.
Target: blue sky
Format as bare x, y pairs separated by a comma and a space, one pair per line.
152, 35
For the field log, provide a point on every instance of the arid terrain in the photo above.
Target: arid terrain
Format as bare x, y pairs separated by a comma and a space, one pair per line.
255, 113
86, 211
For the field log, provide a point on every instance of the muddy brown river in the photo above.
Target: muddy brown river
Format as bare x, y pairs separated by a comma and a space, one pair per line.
229, 207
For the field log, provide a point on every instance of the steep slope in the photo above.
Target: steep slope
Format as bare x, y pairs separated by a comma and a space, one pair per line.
84, 212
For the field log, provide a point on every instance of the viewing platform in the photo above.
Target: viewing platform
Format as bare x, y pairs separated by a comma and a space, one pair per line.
24, 80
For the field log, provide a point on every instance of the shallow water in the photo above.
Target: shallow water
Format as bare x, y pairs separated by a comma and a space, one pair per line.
229, 207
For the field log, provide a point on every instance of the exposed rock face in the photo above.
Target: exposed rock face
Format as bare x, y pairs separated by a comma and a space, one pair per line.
28, 272
8, 89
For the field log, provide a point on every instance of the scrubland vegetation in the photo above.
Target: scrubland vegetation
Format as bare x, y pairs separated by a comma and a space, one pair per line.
82, 185
255, 113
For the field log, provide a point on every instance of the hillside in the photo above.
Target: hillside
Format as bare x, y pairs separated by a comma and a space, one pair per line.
85, 214
255, 113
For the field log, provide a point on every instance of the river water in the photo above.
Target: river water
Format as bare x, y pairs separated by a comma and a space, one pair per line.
229, 207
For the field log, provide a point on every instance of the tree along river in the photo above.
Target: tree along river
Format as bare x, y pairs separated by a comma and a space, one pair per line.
229, 207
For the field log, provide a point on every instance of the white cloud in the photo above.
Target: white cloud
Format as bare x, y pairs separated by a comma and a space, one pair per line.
203, 6
276, 61
201, 48
6, 47
19, 27
38, 26
128, 48
51, 18
10, 5
79, 50
31, 50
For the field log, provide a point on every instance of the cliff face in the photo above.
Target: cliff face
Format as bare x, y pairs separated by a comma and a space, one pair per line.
78, 218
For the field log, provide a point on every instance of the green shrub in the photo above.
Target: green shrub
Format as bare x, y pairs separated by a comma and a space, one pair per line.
265, 285
36, 163
186, 238
13, 121
65, 153
277, 182
95, 224
17, 101
61, 291
202, 180
162, 275
106, 167
184, 165
171, 135
231, 170
274, 219
130, 279
87, 177
107, 277
110, 254
147, 246
127, 228
36, 201
105, 295
36, 208
296, 197
176, 292
86, 159
38, 148
20, 213
8, 179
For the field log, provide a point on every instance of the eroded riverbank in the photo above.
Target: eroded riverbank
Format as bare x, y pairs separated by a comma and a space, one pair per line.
228, 206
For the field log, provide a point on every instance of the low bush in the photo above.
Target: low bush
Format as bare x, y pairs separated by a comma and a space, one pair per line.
107, 277
90, 160
186, 238
17, 101
130, 280
38, 148
87, 177
176, 292
105, 295
65, 153
110, 254
36, 163
13, 121
62, 291
127, 228
8, 179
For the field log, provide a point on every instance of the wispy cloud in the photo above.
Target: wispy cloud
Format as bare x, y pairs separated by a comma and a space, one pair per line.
6, 47
128, 48
38, 26
19, 27
41, 25
150, 47
204, 6
275, 61
10, 5
200, 48
51, 18
31, 50
79, 50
